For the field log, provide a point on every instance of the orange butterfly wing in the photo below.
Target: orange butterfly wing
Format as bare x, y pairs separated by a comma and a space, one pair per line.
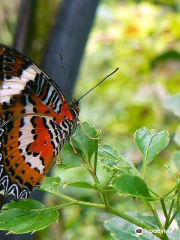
35, 121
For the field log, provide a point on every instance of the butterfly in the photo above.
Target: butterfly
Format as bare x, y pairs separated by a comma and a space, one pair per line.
35, 122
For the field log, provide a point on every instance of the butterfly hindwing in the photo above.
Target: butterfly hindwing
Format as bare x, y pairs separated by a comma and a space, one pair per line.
26, 162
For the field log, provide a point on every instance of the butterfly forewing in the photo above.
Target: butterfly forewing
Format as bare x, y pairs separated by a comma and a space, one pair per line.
35, 121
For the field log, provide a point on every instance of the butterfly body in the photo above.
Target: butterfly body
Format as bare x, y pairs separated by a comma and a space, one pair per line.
35, 122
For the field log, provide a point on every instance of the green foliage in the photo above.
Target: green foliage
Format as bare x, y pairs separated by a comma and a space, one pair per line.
70, 160
175, 158
8, 20
151, 143
83, 142
83, 185
128, 185
122, 230
124, 179
112, 162
50, 184
169, 55
26, 216
173, 103
141, 37
84, 145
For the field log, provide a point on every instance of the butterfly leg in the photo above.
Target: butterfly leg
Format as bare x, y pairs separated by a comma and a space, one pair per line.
70, 142
84, 131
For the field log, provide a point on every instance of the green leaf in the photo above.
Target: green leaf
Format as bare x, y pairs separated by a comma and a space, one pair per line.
150, 220
173, 234
151, 142
165, 56
83, 185
67, 158
176, 159
129, 185
173, 104
170, 171
50, 184
26, 216
177, 136
177, 217
122, 230
85, 144
85, 147
112, 162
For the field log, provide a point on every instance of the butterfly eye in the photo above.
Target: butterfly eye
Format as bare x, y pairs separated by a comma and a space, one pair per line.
77, 109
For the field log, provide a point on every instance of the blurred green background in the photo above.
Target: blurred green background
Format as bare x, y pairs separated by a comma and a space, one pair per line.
142, 38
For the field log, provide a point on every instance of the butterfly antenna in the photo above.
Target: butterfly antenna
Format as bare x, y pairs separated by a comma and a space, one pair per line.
66, 76
98, 84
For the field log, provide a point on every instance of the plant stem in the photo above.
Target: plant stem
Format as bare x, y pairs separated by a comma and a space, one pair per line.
153, 209
163, 207
101, 190
133, 220
95, 156
172, 218
169, 214
178, 200
169, 219
104, 207
95, 178
174, 188
153, 192
73, 200
100, 206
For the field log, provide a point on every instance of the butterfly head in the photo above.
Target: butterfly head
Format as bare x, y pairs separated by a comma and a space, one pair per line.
74, 107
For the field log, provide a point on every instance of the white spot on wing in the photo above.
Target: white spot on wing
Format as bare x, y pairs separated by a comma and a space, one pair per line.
26, 139
34, 69
26, 75
36, 163
12, 85
4, 99
15, 85
30, 73
8, 92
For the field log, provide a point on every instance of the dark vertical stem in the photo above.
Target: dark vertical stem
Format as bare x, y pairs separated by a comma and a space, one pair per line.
69, 37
